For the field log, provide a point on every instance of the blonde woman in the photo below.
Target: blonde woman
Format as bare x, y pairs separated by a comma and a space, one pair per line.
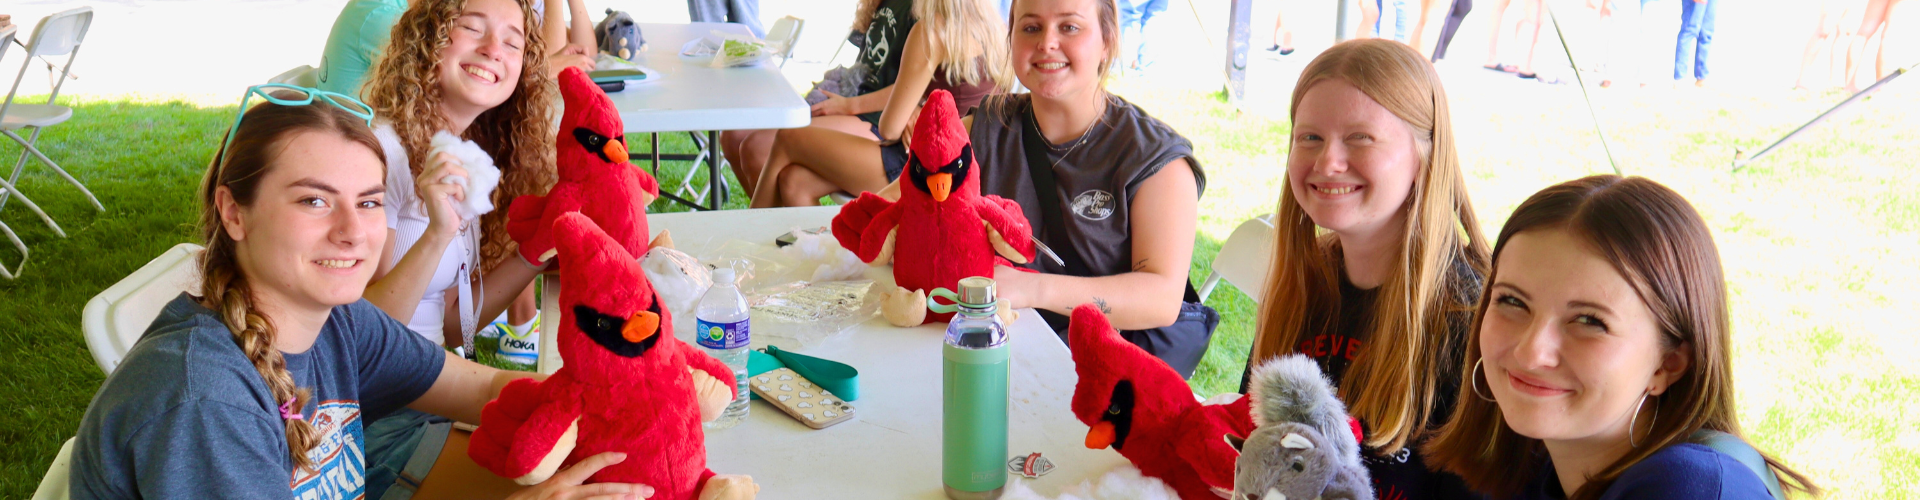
879, 31
471, 68
259, 383
1600, 363
1378, 253
956, 45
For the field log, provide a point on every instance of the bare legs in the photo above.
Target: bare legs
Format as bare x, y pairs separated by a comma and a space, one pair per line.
1282, 37
746, 152
1419, 40
836, 153
1870, 24
1493, 42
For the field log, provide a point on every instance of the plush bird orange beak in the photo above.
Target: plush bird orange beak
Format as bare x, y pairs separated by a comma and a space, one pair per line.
1100, 436
643, 324
941, 185
616, 151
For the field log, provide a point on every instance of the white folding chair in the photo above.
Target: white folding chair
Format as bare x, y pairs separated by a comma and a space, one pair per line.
786, 33
305, 75
53, 486
56, 35
115, 319
6, 41
1245, 259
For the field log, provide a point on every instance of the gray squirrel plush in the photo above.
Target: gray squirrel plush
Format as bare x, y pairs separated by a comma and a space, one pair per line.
1304, 445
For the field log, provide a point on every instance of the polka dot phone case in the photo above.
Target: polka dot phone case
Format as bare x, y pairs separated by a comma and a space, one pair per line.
800, 398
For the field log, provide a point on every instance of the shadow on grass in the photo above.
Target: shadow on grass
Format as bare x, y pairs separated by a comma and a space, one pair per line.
144, 162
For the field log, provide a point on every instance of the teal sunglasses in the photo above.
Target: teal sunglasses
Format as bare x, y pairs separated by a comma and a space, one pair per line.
345, 102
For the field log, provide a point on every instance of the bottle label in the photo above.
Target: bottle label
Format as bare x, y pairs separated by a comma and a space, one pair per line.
722, 335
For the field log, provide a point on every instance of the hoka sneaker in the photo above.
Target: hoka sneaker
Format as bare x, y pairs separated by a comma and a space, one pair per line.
521, 347
494, 330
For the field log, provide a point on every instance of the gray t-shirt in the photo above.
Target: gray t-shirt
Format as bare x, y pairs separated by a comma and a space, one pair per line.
186, 416
1097, 179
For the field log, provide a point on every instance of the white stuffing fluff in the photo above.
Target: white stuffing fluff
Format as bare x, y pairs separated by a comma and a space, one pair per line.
837, 264
483, 176
678, 278
1123, 483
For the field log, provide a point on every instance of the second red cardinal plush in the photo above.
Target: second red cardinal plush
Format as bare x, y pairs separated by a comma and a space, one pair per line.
1134, 403
595, 178
628, 385
942, 229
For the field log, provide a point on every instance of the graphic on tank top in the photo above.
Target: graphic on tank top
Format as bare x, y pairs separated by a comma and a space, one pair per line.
1093, 204
339, 465
874, 55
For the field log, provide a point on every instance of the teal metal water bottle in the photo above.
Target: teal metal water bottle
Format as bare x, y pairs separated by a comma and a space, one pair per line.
973, 449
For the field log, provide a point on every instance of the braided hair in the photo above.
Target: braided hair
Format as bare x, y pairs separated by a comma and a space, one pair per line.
262, 134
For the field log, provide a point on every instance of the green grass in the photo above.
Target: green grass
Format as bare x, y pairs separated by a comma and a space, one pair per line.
1820, 242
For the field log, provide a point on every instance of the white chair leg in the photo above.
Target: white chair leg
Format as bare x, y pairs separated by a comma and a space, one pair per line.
56, 168
4, 273
1206, 288
15, 190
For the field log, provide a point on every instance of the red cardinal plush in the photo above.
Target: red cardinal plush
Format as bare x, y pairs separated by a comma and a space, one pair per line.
942, 229
1136, 404
628, 385
595, 178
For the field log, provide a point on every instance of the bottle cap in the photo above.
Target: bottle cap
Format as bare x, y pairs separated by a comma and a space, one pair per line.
977, 291
723, 275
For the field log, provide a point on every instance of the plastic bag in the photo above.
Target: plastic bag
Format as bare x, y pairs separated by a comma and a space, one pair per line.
811, 313
786, 299
678, 279
729, 50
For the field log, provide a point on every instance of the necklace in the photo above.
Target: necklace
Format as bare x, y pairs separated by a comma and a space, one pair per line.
1064, 152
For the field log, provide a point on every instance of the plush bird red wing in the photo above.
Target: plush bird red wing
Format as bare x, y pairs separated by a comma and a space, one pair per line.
628, 385
1134, 403
594, 177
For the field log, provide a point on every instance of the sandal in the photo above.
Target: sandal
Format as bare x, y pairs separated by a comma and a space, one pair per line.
1529, 76
1503, 68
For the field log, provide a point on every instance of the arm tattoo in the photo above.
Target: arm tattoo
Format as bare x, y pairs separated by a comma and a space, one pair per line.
1140, 266
1102, 304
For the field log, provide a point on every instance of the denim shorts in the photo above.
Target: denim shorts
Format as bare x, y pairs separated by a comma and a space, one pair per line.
401, 449
893, 157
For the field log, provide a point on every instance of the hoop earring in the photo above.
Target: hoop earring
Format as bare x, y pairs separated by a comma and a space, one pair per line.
1473, 379
1635, 422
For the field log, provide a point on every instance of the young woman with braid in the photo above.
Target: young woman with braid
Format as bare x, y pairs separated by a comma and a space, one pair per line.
257, 384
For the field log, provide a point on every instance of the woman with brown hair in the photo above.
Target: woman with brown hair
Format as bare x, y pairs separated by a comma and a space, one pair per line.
473, 69
258, 385
1378, 253
1601, 355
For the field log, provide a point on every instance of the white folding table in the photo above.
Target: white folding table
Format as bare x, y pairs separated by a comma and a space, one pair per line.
891, 449
692, 97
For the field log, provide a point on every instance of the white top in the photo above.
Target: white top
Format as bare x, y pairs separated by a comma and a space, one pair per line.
407, 217
891, 449
692, 96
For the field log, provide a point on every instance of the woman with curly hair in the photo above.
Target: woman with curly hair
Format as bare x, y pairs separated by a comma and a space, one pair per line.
470, 68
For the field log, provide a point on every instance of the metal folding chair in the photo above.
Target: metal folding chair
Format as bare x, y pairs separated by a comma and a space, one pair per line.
6, 40
56, 35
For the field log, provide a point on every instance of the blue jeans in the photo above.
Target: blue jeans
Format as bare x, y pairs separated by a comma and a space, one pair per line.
401, 449
1399, 18
1696, 33
1134, 15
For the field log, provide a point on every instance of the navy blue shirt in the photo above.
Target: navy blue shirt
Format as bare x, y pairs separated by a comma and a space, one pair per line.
1685, 470
187, 416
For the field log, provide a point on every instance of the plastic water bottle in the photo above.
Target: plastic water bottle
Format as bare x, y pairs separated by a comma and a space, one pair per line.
721, 330
974, 374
